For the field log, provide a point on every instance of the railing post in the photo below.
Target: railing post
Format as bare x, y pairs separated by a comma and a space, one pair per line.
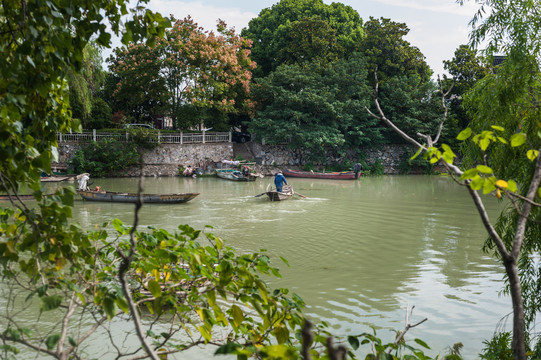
159, 132
181, 138
61, 137
127, 137
230, 136
204, 136
94, 135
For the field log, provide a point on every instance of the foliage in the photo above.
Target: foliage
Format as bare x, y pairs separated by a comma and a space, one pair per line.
373, 169
414, 107
498, 348
293, 31
466, 68
185, 73
104, 157
85, 84
386, 50
408, 165
101, 116
199, 284
314, 108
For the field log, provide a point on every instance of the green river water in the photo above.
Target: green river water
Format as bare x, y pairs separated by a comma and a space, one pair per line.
360, 252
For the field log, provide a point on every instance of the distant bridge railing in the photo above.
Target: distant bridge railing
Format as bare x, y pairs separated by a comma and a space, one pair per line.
165, 138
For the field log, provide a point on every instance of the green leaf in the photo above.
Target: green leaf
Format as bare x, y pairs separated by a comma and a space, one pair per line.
50, 302
237, 315
281, 333
496, 127
484, 169
206, 334
354, 342
464, 134
109, 307
122, 304
72, 341
532, 154
154, 288
484, 143
228, 348
51, 341
518, 139
488, 186
422, 343
512, 186
469, 174
416, 154
477, 182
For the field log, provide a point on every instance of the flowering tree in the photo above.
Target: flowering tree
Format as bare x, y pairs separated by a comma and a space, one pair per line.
188, 68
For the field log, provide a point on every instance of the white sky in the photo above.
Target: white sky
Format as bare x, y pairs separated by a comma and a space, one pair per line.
437, 27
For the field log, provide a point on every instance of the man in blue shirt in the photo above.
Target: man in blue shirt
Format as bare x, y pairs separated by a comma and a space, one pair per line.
279, 180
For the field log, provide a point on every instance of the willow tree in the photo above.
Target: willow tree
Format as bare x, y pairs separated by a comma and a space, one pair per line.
502, 148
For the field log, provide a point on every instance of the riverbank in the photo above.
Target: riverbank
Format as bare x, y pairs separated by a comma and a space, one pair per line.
170, 159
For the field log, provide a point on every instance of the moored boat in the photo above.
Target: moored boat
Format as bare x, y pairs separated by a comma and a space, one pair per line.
344, 175
235, 175
111, 196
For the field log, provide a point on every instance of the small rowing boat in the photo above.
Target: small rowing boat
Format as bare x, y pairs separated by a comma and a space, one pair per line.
344, 175
235, 175
286, 193
111, 196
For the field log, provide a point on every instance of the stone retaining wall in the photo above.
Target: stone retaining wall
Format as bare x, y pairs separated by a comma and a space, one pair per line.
166, 159
389, 155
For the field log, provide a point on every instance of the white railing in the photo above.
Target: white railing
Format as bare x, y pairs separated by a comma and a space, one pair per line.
167, 138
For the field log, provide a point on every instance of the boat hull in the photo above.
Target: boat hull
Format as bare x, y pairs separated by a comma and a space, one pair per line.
287, 193
346, 175
109, 196
234, 175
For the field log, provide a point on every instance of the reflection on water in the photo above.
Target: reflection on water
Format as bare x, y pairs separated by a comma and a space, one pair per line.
359, 251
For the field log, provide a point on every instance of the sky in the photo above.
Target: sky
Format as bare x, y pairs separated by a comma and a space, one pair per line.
437, 27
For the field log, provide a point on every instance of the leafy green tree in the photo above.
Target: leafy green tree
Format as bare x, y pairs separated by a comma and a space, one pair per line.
315, 108
465, 69
318, 30
387, 51
140, 90
188, 71
85, 85
101, 115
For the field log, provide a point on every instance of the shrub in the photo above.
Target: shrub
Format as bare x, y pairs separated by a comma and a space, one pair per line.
104, 157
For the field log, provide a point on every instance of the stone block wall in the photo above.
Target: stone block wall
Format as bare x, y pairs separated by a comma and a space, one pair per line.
166, 159
280, 155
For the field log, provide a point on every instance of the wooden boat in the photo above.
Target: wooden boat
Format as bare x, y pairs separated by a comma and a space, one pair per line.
344, 175
235, 175
110, 196
14, 197
287, 193
56, 178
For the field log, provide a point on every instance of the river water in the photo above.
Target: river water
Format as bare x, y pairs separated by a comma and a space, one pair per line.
360, 252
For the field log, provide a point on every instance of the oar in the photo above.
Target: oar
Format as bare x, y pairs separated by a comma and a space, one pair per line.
260, 194
301, 195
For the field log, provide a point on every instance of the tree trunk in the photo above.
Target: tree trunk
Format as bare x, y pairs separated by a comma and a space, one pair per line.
518, 344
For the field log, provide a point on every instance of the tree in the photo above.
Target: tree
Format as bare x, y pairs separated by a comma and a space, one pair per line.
386, 50
85, 85
466, 69
314, 107
505, 112
140, 90
321, 31
187, 72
